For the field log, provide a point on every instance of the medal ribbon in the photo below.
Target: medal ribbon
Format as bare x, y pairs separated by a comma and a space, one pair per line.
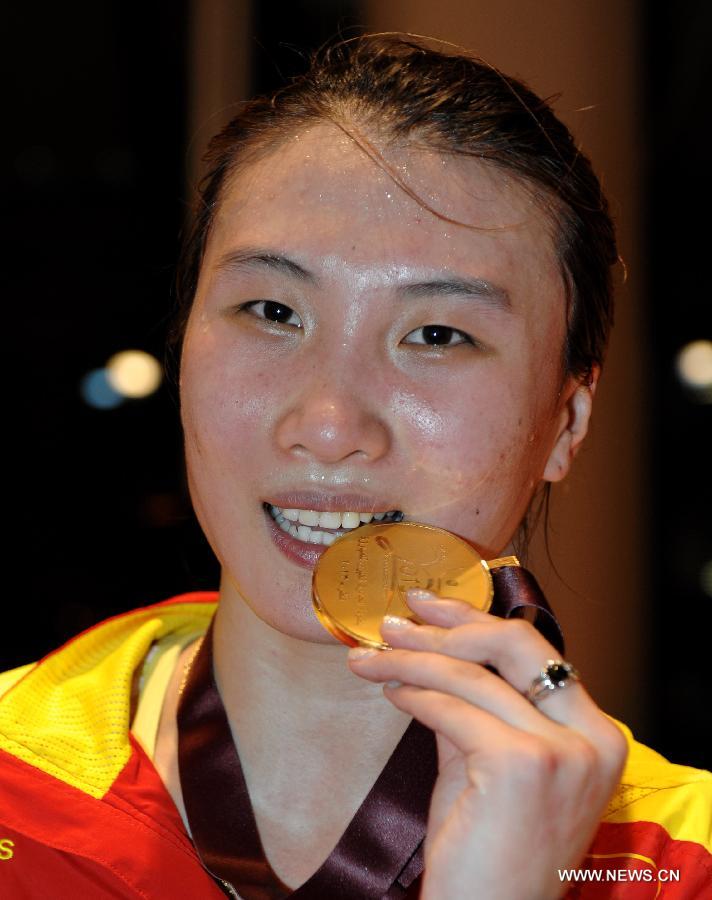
378, 856
516, 591
380, 853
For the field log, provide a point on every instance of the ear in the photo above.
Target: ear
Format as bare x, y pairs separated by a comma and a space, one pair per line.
574, 416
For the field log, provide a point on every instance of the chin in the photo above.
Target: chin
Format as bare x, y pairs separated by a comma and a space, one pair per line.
297, 624
295, 619
311, 632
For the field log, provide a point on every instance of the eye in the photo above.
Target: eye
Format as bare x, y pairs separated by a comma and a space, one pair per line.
437, 336
273, 311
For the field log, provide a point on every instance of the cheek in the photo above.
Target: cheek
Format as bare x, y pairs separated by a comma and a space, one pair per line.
440, 447
460, 427
469, 450
227, 403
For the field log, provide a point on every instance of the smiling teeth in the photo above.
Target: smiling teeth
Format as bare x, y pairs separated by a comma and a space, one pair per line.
306, 524
312, 518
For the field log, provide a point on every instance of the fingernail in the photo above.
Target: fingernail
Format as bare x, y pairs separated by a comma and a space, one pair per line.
361, 652
420, 594
398, 622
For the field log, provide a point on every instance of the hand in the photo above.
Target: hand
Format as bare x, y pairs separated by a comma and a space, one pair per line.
520, 788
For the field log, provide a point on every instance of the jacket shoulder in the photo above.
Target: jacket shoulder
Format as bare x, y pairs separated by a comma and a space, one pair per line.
679, 798
11, 676
69, 713
656, 830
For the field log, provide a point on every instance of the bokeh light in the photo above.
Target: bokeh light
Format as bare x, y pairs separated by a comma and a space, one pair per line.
96, 390
706, 578
134, 373
694, 368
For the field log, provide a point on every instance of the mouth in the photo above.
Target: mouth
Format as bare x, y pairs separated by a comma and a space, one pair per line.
324, 527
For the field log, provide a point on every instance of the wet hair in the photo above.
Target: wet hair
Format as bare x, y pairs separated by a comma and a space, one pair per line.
401, 88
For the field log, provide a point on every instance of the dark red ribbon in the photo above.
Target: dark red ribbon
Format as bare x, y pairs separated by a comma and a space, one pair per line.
516, 592
380, 855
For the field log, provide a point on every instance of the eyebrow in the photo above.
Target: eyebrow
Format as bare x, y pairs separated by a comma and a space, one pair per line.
252, 258
475, 288
490, 294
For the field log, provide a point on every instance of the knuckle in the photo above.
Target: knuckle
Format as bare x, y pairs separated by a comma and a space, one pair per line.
426, 664
458, 641
449, 640
537, 759
614, 746
471, 671
390, 656
584, 756
405, 663
546, 762
440, 668
518, 638
422, 637
426, 667
520, 629
589, 759
392, 662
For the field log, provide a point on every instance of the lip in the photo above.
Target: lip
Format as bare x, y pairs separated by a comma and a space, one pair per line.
321, 501
299, 552
304, 555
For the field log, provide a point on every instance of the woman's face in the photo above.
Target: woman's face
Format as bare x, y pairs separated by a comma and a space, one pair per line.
313, 377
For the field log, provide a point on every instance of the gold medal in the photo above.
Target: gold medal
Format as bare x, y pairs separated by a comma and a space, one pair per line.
365, 575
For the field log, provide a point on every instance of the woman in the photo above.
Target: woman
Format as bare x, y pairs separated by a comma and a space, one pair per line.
396, 301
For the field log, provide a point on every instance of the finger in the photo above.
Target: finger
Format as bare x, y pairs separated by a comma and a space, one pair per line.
495, 744
445, 611
515, 649
456, 677
512, 646
470, 729
500, 756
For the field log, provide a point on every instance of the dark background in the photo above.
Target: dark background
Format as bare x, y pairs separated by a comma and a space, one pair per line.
677, 81
96, 200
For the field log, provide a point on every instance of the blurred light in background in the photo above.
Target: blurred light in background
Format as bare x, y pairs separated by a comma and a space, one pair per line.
134, 373
97, 392
694, 368
130, 374
706, 578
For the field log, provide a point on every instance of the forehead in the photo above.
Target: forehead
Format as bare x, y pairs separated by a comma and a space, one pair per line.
322, 195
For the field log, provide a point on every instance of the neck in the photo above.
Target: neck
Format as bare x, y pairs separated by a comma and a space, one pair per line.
280, 691
311, 736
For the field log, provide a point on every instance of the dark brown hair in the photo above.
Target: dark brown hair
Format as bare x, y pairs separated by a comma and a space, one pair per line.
400, 87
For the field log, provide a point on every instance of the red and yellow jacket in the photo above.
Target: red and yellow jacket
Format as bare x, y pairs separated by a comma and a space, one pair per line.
84, 813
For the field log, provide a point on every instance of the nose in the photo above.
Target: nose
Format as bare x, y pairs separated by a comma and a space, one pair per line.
330, 423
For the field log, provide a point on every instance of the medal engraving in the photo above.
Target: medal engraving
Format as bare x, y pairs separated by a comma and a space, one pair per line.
366, 574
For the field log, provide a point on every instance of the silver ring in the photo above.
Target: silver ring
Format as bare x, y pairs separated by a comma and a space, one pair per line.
554, 675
